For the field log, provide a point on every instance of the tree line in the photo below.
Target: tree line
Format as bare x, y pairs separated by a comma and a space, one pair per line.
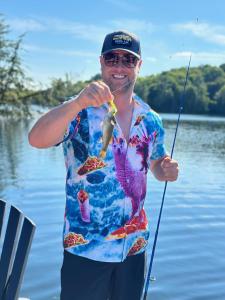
205, 91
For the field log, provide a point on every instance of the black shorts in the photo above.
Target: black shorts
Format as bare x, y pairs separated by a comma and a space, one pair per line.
85, 279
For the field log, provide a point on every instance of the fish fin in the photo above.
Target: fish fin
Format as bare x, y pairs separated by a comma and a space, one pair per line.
102, 154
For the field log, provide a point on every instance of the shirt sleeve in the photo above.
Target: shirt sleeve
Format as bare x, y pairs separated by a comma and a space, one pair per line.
72, 129
159, 149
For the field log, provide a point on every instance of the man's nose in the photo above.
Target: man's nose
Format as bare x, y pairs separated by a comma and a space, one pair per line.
119, 63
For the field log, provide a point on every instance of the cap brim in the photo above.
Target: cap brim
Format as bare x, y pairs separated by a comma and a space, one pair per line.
126, 50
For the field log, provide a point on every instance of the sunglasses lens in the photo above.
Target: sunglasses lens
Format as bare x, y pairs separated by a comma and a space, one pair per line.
130, 60
112, 59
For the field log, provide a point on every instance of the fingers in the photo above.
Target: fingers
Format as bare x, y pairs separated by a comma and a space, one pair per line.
168, 162
170, 169
95, 94
107, 90
102, 90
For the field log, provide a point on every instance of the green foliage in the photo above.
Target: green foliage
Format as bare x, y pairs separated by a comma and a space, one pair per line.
204, 91
218, 107
222, 67
12, 77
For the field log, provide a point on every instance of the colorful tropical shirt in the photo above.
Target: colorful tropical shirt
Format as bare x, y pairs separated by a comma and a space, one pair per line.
104, 217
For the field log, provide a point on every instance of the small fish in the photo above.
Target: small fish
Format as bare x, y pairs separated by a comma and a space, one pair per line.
109, 122
107, 130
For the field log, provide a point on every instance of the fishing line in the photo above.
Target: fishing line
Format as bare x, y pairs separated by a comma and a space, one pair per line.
123, 85
111, 102
164, 191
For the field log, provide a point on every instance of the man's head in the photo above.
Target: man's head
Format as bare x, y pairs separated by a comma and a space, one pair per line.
122, 40
120, 60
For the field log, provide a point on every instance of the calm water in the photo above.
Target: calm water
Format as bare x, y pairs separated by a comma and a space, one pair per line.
190, 256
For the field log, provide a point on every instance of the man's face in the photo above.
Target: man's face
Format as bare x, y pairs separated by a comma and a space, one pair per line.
119, 70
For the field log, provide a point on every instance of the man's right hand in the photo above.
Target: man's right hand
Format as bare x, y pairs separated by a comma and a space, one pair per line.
95, 94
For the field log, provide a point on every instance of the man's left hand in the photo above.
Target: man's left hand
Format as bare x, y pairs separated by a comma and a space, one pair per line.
169, 169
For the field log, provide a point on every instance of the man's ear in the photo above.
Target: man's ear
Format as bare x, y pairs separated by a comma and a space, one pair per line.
101, 59
139, 64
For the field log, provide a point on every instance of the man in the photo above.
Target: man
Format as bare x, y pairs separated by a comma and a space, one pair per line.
105, 228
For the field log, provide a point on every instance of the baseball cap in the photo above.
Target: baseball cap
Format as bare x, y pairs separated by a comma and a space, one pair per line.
122, 40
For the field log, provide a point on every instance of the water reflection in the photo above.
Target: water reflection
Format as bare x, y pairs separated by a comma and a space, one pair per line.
11, 140
195, 134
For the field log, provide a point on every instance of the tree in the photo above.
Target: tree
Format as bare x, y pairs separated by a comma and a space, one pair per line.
219, 107
222, 67
163, 93
211, 73
12, 76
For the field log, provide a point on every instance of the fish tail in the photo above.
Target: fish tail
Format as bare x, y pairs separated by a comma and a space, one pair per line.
102, 154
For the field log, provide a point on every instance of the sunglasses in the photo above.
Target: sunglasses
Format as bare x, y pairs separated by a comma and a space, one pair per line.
112, 59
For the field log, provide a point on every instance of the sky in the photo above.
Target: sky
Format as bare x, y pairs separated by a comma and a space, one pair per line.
65, 37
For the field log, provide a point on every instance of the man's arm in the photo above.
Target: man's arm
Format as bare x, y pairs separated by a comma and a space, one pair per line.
51, 127
165, 169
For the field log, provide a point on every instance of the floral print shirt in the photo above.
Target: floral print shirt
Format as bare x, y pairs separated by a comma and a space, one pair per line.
104, 217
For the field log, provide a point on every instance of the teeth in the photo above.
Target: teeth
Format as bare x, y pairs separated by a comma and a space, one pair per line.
118, 76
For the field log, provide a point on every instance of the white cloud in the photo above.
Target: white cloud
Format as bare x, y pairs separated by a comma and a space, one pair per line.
34, 48
213, 34
214, 58
151, 59
182, 54
80, 30
26, 25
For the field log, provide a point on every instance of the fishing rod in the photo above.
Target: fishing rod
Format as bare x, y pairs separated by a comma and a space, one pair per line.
165, 187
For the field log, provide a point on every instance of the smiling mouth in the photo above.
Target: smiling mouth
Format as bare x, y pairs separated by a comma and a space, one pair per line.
118, 76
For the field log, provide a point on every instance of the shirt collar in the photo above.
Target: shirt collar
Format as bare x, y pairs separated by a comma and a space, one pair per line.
141, 108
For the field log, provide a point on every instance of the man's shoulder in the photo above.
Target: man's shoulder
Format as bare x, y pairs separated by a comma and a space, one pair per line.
154, 115
150, 114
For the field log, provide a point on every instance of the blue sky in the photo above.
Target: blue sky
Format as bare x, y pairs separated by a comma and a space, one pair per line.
66, 36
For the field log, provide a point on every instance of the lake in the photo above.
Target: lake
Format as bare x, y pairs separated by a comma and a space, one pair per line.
190, 254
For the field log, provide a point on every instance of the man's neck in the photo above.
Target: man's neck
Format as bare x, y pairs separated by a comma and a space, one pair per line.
124, 102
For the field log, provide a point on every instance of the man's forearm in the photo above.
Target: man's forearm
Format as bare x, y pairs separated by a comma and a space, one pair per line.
50, 128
